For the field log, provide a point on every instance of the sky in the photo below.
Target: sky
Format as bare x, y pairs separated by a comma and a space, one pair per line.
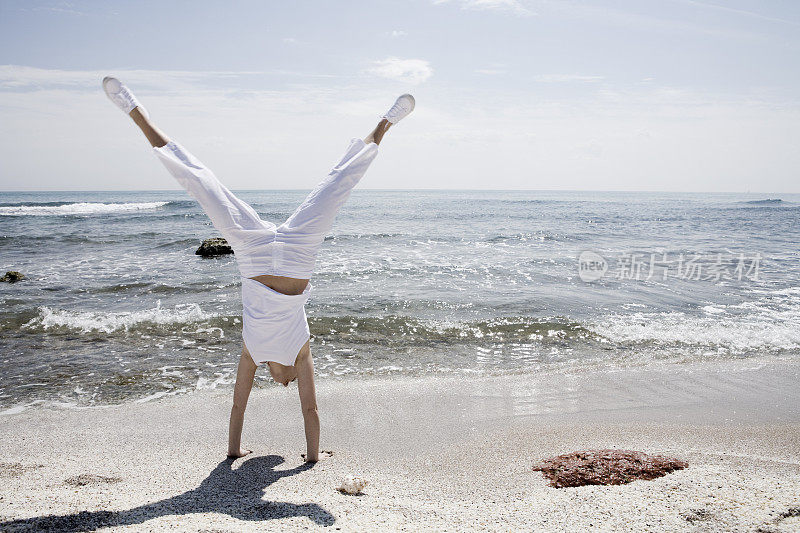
652, 95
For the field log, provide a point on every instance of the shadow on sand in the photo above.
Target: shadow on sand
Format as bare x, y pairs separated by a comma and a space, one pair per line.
233, 492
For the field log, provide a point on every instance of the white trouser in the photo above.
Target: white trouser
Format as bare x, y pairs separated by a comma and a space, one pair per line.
261, 247
274, 325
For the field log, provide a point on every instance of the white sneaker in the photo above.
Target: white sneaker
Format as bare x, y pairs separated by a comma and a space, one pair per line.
402, 107
122, 97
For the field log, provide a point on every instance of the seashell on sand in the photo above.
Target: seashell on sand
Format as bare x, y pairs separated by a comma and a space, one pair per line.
352, 485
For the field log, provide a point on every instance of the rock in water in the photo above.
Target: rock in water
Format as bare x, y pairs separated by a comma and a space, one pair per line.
12, 276
215, 246
605, 467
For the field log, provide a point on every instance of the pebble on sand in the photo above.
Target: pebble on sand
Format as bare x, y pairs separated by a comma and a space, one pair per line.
91, 479
214, 246
605, 467
12, 276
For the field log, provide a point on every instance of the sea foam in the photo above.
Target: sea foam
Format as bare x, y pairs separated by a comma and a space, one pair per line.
94, 321
80, 208
769, 325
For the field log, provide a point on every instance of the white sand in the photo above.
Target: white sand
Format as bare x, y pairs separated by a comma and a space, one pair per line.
439, 453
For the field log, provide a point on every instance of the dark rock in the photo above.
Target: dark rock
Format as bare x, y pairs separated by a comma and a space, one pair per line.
215, 246
12, 276
605, 467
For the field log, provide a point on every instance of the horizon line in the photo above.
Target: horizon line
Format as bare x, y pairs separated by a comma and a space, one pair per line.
432, 189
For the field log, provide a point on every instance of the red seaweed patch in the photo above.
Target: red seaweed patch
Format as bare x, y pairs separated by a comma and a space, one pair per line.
605, 467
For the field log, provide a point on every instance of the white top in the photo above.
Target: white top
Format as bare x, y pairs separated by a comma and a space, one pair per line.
274, 325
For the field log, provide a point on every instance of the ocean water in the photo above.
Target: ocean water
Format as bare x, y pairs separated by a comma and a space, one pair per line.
116, 307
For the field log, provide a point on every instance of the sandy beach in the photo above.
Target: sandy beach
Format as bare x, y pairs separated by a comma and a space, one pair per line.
439, 453
545, 255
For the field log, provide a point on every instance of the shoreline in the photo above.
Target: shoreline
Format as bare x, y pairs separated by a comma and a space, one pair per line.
438, 452
568, 371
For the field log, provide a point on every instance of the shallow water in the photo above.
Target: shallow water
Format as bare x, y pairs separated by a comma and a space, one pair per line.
117, 307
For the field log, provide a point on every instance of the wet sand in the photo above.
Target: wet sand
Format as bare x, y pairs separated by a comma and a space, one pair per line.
446, 453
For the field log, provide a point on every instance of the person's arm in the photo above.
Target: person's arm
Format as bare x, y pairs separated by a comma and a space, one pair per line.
308, 402
241, 392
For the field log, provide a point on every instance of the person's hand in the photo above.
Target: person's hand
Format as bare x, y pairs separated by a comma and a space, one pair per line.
323, 454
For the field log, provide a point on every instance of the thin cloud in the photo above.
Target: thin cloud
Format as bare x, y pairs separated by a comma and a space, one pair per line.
567, 78
741, 12
18, 77
413, 71
510, 6
397, 33
239, 132
32, 78
67, 8
607, 15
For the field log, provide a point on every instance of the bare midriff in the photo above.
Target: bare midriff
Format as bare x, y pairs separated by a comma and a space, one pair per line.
282, 284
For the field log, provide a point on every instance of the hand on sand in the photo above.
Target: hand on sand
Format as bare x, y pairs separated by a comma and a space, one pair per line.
323, 454
240, 453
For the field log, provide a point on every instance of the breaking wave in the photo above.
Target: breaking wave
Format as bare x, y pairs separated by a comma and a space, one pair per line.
397, 331
79, 208
106, 322
767, 201
716, 330
772, 325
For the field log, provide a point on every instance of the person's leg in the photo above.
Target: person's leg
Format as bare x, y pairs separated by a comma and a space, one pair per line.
376, 136
312, 220
400, 109
309, 224
154, 135
237, 221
